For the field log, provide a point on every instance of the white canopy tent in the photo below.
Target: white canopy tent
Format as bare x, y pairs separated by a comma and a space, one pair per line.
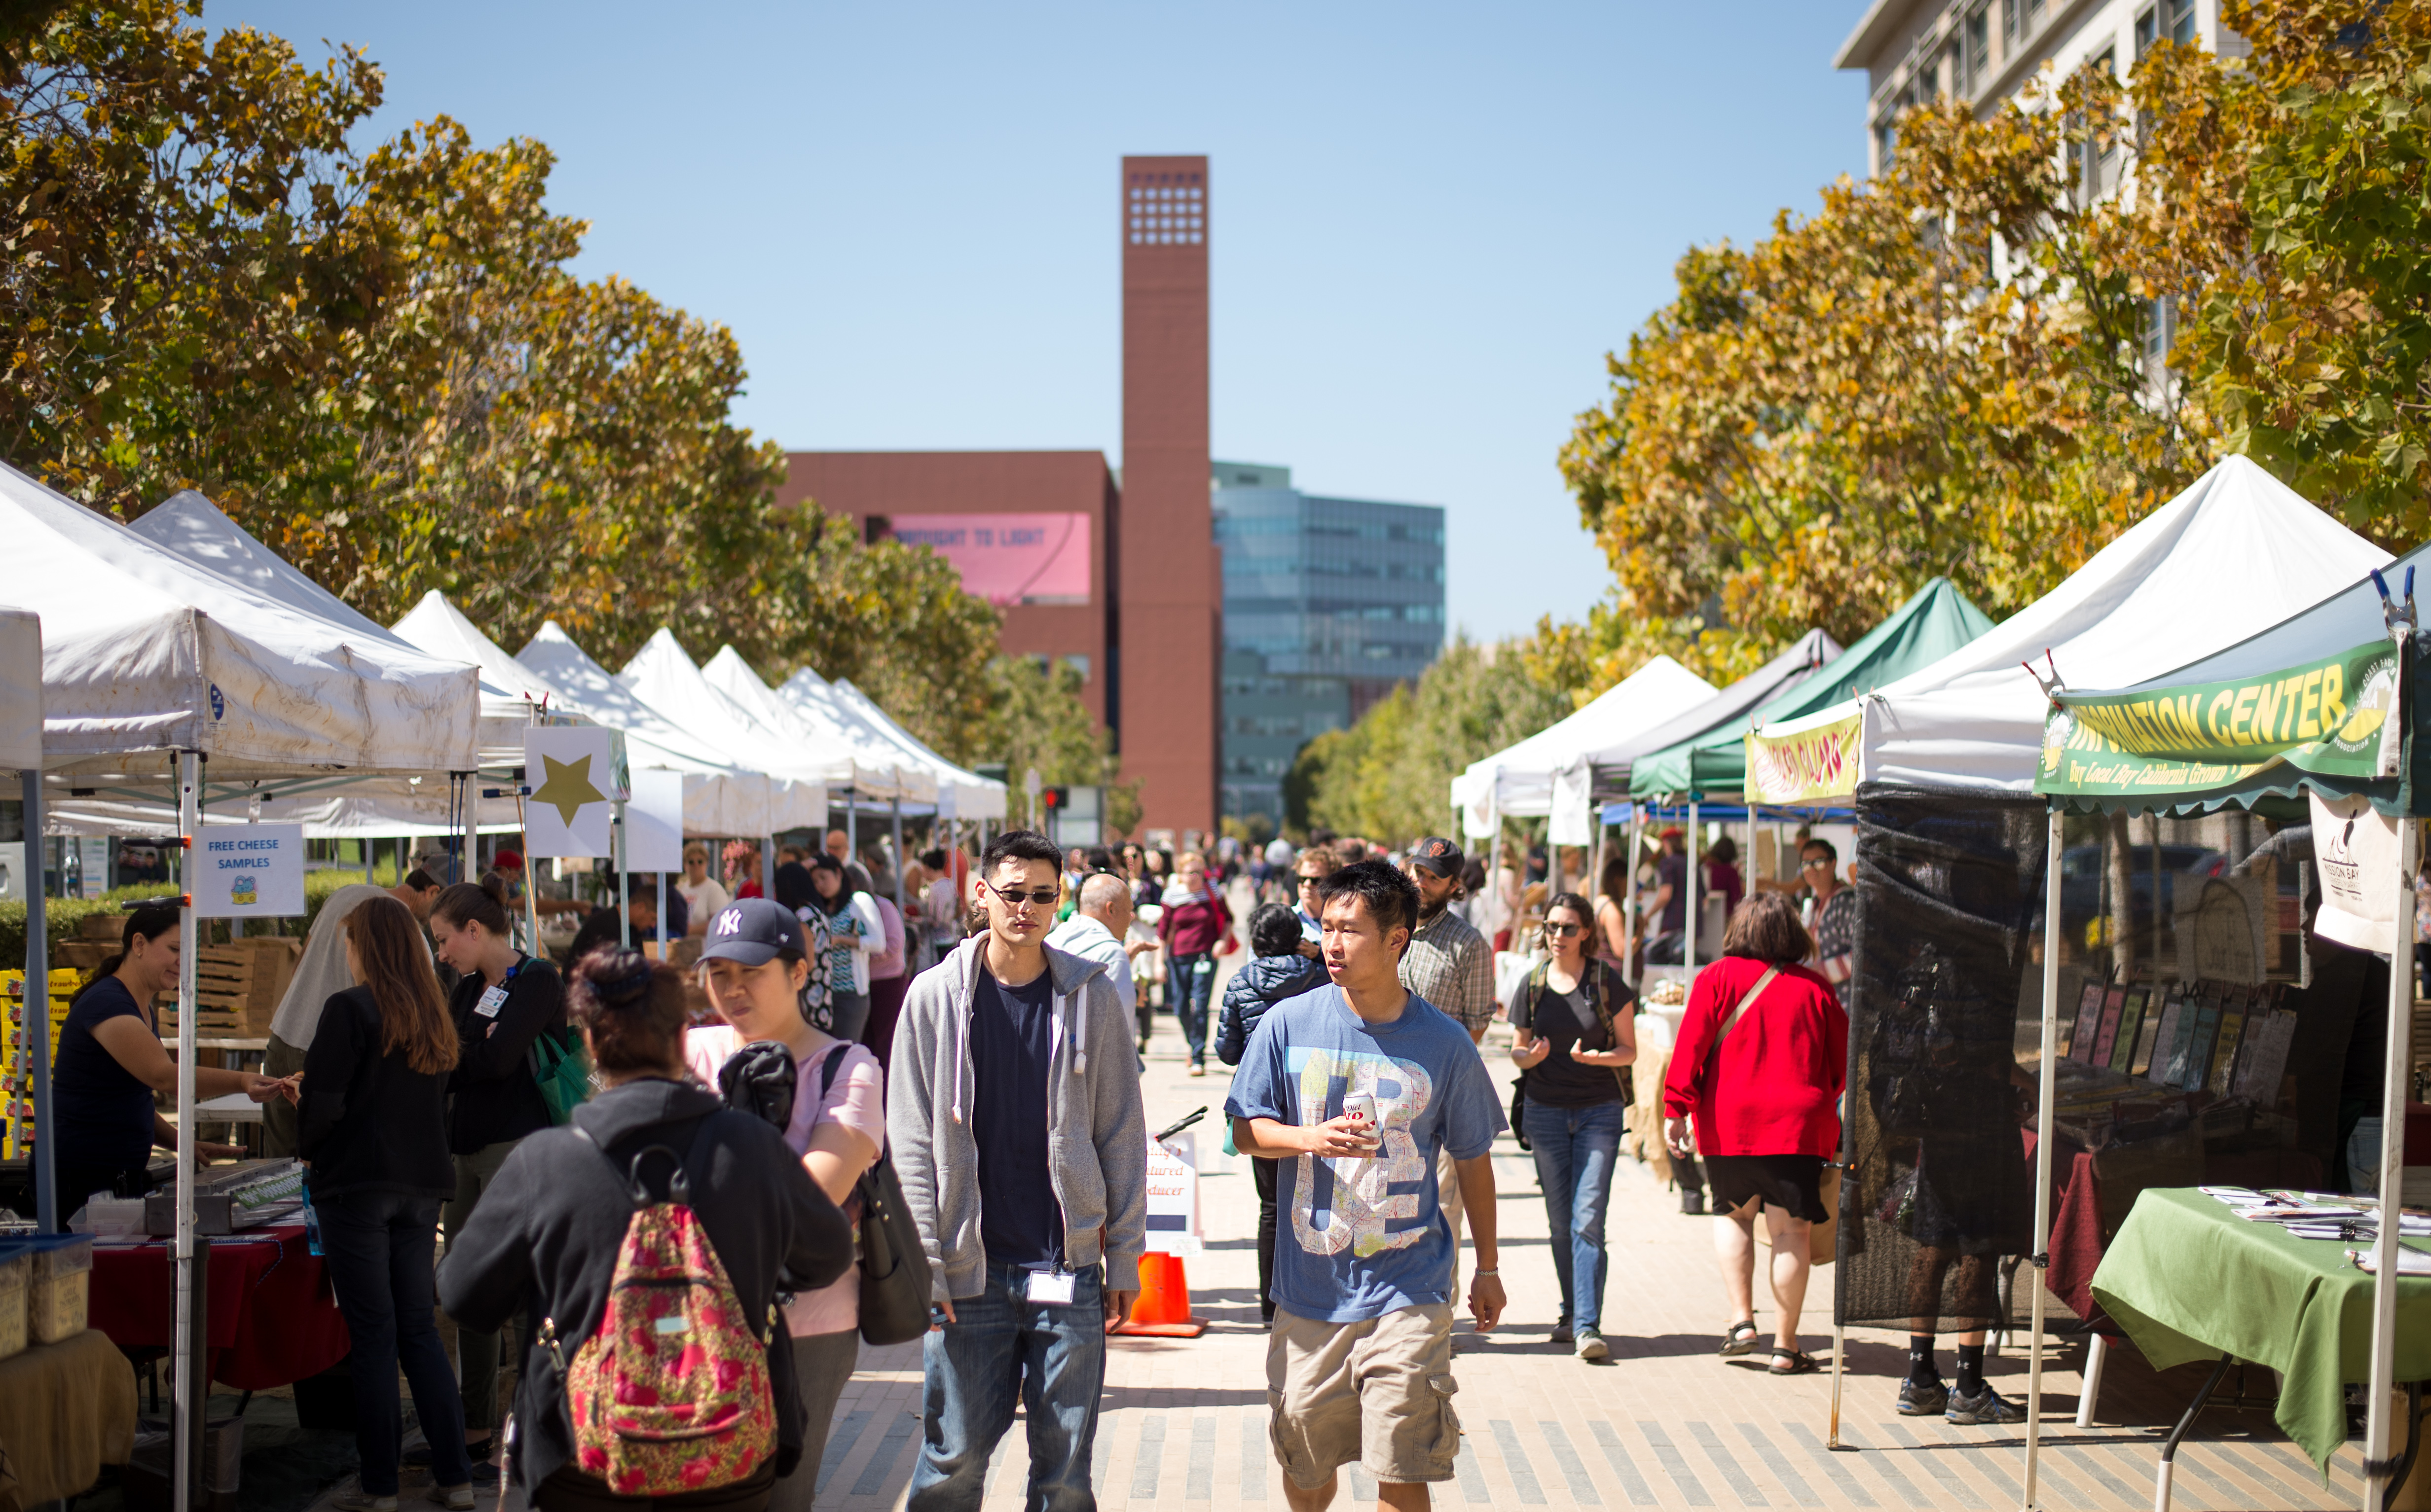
145, 652
876, 771
962, 794
196, 529
668, 680
1518, 781
153, 666
2235, 554
721, 797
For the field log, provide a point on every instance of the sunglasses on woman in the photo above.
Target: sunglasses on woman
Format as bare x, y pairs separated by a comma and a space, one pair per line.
1565, 931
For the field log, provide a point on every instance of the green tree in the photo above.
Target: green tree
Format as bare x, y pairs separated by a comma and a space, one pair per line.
1388, 777
1038, 722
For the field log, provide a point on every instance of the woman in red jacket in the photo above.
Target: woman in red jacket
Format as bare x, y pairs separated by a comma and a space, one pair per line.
1762, 1054
1195, 925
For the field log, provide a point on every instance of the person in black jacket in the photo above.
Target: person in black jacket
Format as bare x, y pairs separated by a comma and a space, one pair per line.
552, 1232
505, 1001
373, 1130
1279, 971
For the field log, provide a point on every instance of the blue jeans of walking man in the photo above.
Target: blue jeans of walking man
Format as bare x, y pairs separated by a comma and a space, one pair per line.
1000, 1348
1576, 1149
1190, 981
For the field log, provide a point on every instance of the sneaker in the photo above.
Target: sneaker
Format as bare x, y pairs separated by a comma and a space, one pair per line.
1196, 1069
454, 1498
1692, 1203
1986, 1405
1561, 1334
1591, 1346
1923, 1400
358, 1500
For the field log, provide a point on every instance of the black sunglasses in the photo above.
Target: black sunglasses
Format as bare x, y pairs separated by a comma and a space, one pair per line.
1563, 931
1042, 897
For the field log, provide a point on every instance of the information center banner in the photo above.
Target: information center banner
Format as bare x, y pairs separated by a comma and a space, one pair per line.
2323, 717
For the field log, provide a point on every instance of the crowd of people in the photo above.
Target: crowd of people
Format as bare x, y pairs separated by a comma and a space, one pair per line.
978, 1050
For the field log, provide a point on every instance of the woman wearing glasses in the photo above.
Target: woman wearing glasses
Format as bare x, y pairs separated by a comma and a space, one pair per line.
1573, 1047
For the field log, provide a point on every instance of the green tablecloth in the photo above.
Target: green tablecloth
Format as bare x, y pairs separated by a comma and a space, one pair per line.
2189, 1281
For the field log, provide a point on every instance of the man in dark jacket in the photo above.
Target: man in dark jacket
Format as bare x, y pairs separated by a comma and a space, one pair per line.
553, 1223
1278, 972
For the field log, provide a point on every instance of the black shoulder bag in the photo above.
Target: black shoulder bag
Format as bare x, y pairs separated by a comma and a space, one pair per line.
893, 1264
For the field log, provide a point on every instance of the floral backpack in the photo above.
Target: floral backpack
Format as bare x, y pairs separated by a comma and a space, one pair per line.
672, 1392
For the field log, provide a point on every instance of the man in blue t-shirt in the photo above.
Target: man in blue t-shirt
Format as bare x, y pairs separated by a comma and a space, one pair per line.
1359, 1360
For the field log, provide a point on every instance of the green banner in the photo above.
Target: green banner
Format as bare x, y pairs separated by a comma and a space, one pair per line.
2324, 716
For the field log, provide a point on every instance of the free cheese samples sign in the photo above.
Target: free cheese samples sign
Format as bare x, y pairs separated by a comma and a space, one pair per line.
249, 870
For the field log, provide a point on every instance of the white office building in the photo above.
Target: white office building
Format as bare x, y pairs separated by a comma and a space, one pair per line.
1984, 51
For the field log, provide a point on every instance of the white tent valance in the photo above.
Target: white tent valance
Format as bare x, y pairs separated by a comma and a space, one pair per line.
2235, 554
1518, 780
721, 798
145, 652
876, 771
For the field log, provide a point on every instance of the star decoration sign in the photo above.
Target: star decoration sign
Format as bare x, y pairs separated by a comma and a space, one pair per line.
571, 771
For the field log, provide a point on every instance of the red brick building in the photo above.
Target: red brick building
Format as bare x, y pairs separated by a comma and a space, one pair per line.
1120, 578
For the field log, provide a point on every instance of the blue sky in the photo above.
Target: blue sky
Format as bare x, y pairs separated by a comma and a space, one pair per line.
1428, 223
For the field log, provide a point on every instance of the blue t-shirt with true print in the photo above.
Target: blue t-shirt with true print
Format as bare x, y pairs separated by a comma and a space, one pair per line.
1359, 1238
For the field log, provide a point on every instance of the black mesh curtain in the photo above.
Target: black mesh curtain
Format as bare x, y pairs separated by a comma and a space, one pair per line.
1938, 1201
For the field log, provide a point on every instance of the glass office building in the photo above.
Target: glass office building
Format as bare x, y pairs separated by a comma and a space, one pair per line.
1329, 605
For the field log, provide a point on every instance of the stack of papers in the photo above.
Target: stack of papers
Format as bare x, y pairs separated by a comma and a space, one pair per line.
2409, 1262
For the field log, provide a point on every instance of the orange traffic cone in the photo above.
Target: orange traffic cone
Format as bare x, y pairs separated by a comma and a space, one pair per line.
1163, 1310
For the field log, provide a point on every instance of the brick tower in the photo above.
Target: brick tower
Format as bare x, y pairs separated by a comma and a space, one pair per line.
1171, 594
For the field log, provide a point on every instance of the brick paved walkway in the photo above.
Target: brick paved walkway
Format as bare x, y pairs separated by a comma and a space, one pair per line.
1666, 1424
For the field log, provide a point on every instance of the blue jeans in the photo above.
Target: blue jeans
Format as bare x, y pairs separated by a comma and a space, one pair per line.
1190, 981
1575, 1149
1000, 1346
378, 1246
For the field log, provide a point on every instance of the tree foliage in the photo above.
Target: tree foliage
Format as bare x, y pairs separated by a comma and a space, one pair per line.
1389, 776
380, 363
1965, 367
1038, 722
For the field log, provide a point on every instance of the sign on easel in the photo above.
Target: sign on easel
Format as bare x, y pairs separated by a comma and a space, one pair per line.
249, 872
1173, 1195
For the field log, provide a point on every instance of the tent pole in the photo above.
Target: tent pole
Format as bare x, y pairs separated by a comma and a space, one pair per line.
897, 810
470, 787
851, 825
1629, 900
183, 1381
38, 1012
2378, 1427
662, 915
624, 914
1688, 944
2047, 1080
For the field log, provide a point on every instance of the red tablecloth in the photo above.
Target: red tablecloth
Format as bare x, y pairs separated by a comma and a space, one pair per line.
273, 1319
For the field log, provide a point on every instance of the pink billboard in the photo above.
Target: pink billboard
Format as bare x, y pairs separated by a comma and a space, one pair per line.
1008, 559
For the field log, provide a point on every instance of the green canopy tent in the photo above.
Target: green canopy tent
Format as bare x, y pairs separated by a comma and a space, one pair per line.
2320, 714
1936, 621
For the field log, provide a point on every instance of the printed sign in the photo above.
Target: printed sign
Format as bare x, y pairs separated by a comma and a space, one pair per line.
1007, 558
2355, 851
249, 872
1804, 766
570, 772
654, 822
2322, 717
1173, 1195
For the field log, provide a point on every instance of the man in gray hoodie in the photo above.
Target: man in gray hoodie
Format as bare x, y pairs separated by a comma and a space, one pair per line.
1013, 1115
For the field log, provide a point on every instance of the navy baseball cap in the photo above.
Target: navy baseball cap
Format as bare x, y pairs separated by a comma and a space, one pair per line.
750, 932
1439, 856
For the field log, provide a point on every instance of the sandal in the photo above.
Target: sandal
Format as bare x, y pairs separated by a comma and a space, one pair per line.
1741, 1340
1799, 1363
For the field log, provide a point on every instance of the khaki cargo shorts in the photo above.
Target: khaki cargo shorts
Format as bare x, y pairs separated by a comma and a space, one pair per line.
1378, 1393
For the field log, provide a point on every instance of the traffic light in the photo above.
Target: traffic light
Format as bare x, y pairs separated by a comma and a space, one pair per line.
1053, 798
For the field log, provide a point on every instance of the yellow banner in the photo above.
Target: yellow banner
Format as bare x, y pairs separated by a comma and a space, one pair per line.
1804, 766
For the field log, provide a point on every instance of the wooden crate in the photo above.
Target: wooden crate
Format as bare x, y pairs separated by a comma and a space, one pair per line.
245, 979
